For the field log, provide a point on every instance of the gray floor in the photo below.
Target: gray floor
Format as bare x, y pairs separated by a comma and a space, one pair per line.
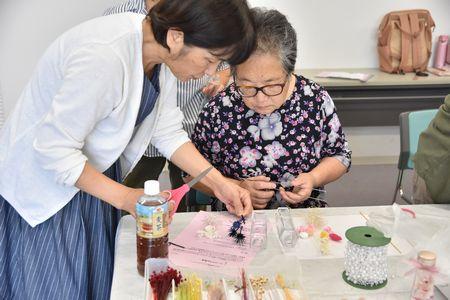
363, 185
367, 185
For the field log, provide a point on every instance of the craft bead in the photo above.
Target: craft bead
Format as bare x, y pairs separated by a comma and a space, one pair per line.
304, 235
366, 265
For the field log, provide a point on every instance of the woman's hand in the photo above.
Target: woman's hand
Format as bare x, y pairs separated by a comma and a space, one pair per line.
236, 199
261, 190
129, 202
303, 186
212, 89
132, 197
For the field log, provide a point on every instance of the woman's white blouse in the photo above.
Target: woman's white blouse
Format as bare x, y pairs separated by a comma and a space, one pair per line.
80, 105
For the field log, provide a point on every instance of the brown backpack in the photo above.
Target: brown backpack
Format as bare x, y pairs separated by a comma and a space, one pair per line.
404, 41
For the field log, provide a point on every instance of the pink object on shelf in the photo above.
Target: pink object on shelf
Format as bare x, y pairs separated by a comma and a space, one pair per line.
448, 53
441, 51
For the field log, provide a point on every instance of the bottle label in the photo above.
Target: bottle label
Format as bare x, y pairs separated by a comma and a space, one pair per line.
152, 221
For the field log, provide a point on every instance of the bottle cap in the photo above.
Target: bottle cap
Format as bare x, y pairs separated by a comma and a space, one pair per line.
151, 187
427, 257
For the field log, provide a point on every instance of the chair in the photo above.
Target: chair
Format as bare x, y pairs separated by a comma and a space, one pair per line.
411, 125
197, 199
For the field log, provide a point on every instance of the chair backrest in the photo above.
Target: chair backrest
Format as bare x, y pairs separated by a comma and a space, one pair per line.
411, 126
202, 199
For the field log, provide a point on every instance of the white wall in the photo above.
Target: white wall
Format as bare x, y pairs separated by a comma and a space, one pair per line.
2, 115
27, 27
342, 34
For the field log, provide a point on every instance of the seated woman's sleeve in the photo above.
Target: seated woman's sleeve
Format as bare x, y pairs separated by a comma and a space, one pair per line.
334, 143
205, 133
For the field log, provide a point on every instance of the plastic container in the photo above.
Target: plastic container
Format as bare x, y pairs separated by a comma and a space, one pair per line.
285, 227
258, 233
156, 265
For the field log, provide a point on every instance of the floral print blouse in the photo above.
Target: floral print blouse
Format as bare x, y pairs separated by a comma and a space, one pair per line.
293, 139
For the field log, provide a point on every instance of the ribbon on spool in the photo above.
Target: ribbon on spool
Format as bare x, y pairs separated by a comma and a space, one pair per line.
366, 258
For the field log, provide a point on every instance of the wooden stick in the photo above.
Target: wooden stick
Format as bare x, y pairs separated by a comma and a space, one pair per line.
280, 281
393, 245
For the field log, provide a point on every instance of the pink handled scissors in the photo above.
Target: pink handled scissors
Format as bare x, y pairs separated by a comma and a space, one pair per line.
177, 194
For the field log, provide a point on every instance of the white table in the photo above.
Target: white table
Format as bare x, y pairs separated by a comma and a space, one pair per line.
320, 277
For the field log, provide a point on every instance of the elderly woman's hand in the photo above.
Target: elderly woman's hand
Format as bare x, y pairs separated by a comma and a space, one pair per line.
236, 199
261, 190
303, 186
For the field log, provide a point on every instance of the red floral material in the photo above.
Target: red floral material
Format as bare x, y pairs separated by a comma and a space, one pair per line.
335, 237
161, 283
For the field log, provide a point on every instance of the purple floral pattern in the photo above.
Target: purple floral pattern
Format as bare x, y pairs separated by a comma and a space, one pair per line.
293, 139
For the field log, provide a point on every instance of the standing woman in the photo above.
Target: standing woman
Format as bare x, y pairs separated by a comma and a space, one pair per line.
85, 107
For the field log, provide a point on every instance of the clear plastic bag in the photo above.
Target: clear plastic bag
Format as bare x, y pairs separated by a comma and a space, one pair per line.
426, 229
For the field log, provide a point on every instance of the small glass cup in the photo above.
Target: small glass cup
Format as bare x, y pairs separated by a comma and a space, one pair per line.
258, 234
285, 227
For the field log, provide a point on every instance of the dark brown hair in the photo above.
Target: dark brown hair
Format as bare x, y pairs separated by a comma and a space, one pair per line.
223, 26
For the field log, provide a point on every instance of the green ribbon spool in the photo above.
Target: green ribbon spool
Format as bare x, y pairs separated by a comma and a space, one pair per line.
368, 237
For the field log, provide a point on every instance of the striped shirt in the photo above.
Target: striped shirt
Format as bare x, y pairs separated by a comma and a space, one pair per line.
190, 97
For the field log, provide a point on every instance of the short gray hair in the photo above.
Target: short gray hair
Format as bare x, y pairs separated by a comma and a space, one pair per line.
275, 35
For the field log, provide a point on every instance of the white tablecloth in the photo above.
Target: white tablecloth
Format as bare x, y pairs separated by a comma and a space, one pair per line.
320, 277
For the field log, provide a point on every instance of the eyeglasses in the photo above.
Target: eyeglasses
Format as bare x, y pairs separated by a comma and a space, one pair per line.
268, 90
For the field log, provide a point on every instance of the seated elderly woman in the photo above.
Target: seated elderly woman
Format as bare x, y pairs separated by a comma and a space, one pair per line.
275, 132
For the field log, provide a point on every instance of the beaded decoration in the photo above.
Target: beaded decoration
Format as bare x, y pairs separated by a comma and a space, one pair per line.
366, 266
259, 284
